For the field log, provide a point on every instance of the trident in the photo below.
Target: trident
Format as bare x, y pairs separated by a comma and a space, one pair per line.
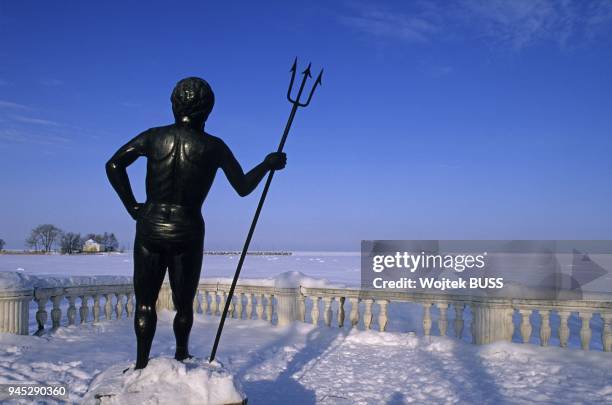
296, 103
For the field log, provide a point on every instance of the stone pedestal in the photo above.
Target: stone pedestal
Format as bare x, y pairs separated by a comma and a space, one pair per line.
166, 381
15, 297
491, 323
286, 305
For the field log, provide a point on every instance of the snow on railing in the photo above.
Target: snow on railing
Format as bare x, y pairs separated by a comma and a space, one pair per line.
492, 319
292, 297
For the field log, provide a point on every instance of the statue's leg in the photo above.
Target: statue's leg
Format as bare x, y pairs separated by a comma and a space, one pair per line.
184, 271
149, 271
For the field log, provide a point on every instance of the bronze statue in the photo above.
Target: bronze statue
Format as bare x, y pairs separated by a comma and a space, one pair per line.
182, 160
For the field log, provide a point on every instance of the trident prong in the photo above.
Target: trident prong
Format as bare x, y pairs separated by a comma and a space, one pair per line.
317, 82
306, 74
292, 70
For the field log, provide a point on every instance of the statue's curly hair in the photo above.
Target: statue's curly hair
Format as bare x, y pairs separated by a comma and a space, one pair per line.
192, 96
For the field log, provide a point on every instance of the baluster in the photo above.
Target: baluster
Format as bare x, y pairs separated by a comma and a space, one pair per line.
564, 330
340, 312
545, 330
382, 314
56, 312
459, 322
472, 314
269, 308
96, 308
314, 314
525, 324
196, 303
585, 330
125, 304
41, 314
231, 308
238, 298
327, 312
426, 318
204, 303
108, 306
119, 305
222, 298
249, 306
606, 332
164, 299
71, 310
367, 313
129, 305
84, 309
259, 309
301, 307
510, 324
354, 315
443, 319
214, 305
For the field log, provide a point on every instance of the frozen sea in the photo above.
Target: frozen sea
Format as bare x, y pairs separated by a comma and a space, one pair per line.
337, 267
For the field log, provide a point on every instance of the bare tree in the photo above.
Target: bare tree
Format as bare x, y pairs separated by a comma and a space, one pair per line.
44, 236
33, 241
110, 242
71, 243
2, 243
94, 237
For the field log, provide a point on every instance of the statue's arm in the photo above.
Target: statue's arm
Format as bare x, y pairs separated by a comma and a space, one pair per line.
244, 184
116, 171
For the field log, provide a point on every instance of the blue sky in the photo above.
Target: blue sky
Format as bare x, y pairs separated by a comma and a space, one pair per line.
476, 120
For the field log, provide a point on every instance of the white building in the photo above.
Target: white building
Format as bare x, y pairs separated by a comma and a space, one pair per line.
91, 246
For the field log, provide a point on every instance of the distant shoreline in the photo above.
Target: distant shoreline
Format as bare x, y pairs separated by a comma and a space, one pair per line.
249, 253
212, 253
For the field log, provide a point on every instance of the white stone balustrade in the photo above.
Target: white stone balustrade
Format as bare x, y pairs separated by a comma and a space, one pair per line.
490, 319
112, 300
211, 299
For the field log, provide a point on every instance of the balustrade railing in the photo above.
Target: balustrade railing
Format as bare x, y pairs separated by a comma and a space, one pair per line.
489, 319
95, 302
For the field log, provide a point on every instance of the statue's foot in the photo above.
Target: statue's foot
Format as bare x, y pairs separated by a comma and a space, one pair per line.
141, 365
182, 354
183, 357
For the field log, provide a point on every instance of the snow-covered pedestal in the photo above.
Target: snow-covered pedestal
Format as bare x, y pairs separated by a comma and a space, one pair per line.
16, 292
492, 322
166, 381
286, 290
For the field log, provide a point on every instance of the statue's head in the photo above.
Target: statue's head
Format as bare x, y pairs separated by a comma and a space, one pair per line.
192, 101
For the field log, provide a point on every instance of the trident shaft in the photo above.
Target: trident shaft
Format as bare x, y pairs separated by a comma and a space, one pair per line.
296, 104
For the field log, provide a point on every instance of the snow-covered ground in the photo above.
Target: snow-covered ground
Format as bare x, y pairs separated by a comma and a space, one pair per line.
301, 364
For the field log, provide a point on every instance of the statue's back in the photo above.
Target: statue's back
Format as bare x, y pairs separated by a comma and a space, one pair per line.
181, 166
